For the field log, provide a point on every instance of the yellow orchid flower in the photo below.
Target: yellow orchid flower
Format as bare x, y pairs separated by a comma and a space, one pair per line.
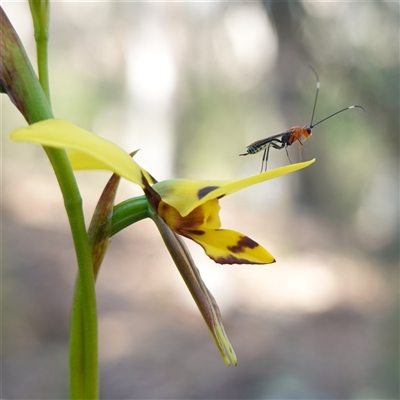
183, 207
189, 207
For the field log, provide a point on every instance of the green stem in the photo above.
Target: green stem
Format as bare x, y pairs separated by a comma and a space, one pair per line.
84, 308
78, 378
128, 212
21, 84
124, 214
40, 11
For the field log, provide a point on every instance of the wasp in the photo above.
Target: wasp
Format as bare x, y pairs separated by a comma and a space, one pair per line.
296, 134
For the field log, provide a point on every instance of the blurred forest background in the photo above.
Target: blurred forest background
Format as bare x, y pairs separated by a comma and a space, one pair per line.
191, 84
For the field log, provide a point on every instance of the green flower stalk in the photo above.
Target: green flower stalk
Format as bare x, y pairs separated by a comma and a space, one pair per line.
182, 207
19, 81
40, 11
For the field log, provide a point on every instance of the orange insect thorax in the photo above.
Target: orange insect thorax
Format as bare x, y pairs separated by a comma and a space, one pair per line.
299, 134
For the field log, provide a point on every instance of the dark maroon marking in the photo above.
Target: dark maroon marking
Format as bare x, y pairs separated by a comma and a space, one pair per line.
243, 243
204, 191
152, 196
197, 232
233, 260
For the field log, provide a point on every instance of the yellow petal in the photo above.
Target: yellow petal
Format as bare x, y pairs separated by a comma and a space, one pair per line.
81, 162
205, 216
185, 194
64, 135
229, 247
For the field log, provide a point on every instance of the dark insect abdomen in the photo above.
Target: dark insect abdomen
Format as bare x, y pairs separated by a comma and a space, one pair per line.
252, 149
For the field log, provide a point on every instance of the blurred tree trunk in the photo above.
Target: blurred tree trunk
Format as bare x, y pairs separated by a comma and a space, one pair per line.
293, 57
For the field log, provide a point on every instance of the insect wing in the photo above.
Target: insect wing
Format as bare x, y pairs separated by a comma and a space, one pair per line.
263, 142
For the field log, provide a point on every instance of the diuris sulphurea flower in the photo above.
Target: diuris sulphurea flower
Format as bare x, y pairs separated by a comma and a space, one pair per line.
189, 207
179, 207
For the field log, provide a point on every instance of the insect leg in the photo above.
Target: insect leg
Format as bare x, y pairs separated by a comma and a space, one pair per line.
287, 153
280, 144
276, 144
299, 144
265, 158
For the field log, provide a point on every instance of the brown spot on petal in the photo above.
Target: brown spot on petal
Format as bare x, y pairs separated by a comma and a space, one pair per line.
204, 191
234, 260
231, 260
243, 243
197, 232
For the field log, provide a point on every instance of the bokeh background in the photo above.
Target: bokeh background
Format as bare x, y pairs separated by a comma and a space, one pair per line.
191, 84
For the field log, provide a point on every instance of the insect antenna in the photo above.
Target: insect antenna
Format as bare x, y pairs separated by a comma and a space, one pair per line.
337, 112
315, 103
316, 94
